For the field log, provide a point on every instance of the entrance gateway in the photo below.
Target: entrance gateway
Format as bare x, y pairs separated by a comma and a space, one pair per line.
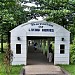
40, 29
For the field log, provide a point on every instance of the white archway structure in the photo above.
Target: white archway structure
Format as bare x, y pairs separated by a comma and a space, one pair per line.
40, 28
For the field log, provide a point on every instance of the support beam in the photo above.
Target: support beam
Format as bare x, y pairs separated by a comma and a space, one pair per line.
48, 48
41, 45
38, 41
44, 44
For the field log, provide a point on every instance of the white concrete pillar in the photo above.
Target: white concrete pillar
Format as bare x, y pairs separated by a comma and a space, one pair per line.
38, 43
44, 41
41, 45
48, 48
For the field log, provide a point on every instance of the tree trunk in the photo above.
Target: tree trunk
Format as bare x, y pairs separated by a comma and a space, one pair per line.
9, 40
2, 43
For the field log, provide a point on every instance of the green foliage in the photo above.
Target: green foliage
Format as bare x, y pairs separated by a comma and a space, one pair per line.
11, 15
70, 68
15, 69
72, 52
7, 22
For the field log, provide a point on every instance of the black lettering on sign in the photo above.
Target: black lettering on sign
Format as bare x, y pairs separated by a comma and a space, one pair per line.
48, 30
40, 26
37, 29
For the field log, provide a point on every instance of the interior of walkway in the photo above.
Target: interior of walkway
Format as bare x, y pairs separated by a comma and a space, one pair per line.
36, 57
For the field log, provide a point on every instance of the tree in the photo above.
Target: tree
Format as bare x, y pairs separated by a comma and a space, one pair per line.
6, 19
11, 15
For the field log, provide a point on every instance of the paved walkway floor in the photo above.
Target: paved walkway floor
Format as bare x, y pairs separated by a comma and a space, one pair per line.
43, 69
39, 65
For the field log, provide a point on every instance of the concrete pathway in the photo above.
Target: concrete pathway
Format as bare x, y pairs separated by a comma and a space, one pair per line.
43, 69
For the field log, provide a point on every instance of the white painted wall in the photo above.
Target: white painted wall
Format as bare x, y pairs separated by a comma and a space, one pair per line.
22, 31
19, 59
62, 58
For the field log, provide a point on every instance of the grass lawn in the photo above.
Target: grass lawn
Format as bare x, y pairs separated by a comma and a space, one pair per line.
15, 69
70, 68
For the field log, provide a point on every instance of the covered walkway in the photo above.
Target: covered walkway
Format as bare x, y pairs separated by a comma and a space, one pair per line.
43, 32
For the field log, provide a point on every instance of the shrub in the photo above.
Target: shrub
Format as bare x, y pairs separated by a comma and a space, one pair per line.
72, 52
